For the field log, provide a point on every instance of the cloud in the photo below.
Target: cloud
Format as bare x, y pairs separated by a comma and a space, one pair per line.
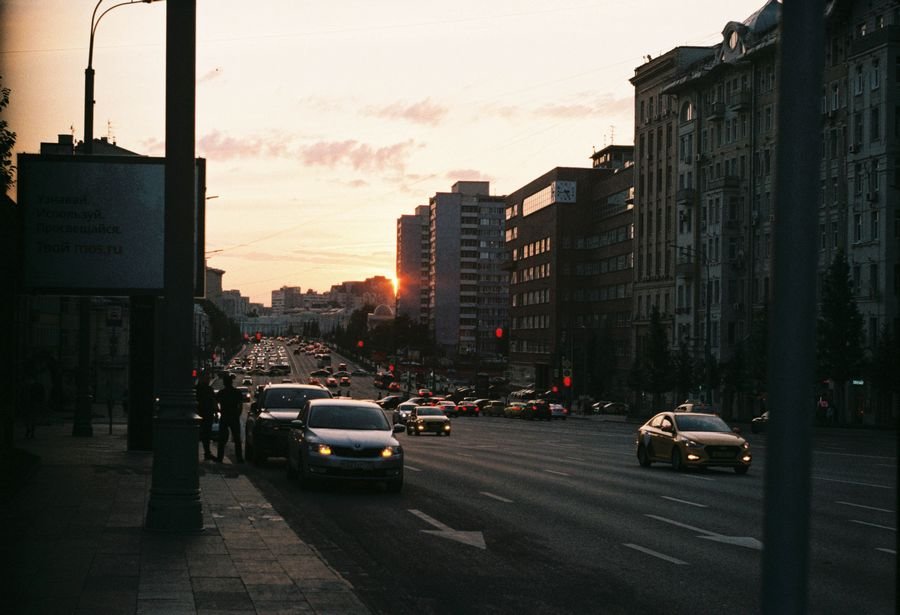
467, 175
361, 156
422, 112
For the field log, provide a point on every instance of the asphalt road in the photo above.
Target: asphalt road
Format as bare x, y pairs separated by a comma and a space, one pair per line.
510, 516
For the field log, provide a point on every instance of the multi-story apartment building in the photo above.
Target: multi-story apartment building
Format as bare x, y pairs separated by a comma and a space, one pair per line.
287, 298
704, 196
569, 239
467, 289
412, 265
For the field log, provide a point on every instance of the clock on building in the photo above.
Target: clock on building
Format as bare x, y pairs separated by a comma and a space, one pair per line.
563, 192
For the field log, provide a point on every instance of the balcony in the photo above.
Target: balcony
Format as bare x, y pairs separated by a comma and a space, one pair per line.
740, 100
725, 182
716, 111
686, 195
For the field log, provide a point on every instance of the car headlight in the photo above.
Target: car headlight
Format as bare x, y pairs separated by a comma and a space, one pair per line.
446, 426
745, 446
320, 448
691, 443
390, 451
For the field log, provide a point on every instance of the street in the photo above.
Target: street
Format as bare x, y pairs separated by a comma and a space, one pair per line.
511, 516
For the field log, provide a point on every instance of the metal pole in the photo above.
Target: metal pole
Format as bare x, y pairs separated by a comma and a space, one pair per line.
175, 503
792, 334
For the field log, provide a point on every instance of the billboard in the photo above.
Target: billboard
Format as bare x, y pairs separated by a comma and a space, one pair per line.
95, 225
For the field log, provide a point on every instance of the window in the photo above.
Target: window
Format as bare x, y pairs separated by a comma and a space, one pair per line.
857, 227
874, 124
876, 78
858, 84
873, 225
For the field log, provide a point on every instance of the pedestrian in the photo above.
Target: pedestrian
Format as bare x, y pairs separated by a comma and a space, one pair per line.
231, 404
33, 405
207, 406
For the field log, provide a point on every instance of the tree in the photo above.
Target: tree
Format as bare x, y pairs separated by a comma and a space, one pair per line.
686, 371
657, 360
839, 331
7, 142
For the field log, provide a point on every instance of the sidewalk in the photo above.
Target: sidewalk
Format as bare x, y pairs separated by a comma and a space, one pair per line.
73, 540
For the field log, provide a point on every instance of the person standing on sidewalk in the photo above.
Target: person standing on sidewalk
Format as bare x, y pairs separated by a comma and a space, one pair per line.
231, 404
206, 408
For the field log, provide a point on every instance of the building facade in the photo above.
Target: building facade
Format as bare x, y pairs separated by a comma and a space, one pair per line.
412, 265
467, 289
569, 238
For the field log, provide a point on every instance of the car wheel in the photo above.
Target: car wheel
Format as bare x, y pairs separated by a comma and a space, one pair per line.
741, 469
677, 463
643, 457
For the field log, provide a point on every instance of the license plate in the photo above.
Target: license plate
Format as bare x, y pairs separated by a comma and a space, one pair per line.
722, 455
354, 465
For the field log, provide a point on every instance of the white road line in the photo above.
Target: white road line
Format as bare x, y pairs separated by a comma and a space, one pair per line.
464, 455
661, 556
694, 476
852, 482
881, 527
883, 550
885, 510
413, 468
557, 473
574, 458
665, 497
496, 497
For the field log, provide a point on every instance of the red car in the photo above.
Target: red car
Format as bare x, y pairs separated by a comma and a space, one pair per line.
468, 408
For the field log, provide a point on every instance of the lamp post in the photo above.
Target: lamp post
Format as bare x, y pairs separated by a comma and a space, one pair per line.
89, 74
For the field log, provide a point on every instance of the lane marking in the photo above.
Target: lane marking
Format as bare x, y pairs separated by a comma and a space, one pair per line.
579, 459
852, 482
473, 539
883, 550
413, 468
866, 523
555, 472
657, 554
464, 455
740, 541
496, 497
885, 510
665, 497
694, 476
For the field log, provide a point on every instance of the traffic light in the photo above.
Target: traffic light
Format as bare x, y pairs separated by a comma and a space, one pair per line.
258, 336
498, 333
391, 368
567, 381
194, 373
359, 344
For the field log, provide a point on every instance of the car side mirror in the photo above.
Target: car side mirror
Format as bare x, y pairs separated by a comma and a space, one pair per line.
298, 424
398, 428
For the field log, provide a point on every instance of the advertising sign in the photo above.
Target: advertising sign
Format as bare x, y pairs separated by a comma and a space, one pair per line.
95, 225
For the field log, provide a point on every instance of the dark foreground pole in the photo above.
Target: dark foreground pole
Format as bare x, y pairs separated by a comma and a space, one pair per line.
174, 503
792, 329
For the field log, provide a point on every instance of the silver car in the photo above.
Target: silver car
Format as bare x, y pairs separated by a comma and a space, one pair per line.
344, 440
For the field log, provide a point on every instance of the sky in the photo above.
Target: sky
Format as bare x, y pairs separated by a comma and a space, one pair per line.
323, 122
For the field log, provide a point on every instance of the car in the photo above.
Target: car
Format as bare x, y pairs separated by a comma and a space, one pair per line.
467, 408
514, 410
331, 382
403, 410
313, 381
320, 373
537, 409
394, 386
759, 423
341, 373
247, 382
245, 393
424, 393
360, 372
493, 408
558, 411
269, 417
447, 407
427, 419
692, 439
344, 381
344, 440
390, 402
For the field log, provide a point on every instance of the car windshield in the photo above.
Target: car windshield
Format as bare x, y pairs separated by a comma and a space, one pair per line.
700, 423
291, 398
348, 417
429, 411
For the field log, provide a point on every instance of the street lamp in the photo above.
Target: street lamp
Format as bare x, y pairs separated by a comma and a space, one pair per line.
89, 74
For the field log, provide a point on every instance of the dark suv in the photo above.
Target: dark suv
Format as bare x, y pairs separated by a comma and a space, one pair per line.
269, 419
537, 409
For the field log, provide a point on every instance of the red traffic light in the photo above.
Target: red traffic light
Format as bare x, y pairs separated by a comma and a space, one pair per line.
498, 333
567, 381
194, 373
258, 336
555, 389
390, 368
359, 344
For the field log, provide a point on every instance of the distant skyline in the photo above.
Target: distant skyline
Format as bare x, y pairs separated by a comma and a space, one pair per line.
322, 123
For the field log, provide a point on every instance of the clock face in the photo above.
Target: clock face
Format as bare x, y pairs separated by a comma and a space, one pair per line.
565, 192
